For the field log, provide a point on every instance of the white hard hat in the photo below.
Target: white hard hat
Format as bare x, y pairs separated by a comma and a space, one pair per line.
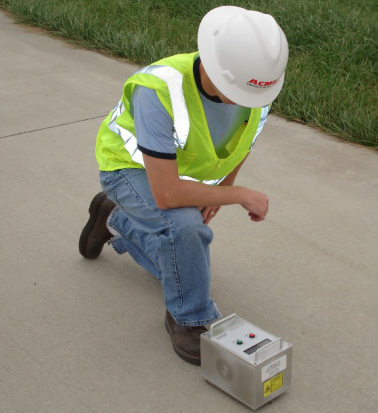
244, 53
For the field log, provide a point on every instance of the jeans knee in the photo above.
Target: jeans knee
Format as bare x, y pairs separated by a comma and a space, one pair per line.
192, 229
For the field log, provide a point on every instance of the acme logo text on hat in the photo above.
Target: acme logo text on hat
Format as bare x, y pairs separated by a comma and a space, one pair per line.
256, 83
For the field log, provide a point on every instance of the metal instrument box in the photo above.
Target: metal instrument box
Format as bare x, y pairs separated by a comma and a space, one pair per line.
245, 361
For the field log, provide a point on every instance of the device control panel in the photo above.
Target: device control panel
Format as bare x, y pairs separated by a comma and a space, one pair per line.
244, 339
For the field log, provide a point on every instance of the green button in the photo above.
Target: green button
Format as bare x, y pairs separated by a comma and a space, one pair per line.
239, 342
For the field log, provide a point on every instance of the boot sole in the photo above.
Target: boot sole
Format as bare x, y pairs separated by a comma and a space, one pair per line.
185, 356
94, 209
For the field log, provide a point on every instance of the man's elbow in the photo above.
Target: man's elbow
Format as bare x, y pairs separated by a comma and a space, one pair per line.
162, 204
166, 200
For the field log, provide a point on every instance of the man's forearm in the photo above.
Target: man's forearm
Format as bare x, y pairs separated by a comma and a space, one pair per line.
189, 193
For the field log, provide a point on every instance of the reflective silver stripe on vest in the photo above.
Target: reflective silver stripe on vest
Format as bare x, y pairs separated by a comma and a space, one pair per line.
264, 115
173, 78
128, 138
213, 182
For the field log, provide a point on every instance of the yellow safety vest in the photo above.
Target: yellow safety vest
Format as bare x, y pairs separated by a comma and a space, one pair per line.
173, 80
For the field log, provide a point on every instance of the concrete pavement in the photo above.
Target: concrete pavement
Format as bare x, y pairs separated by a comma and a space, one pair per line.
88, 336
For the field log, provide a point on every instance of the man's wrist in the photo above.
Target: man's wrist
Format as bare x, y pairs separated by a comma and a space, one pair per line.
241, 194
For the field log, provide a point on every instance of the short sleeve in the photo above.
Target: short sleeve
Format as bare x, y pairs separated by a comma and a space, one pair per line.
153, 125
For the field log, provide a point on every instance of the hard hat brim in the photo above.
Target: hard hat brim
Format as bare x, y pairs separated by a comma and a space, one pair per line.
259, 97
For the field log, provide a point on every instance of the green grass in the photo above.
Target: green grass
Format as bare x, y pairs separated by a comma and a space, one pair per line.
332, 75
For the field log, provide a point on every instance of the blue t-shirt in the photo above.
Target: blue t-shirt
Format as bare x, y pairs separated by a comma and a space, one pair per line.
154, 126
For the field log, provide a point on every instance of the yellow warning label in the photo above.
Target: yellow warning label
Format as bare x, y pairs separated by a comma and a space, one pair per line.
272, 385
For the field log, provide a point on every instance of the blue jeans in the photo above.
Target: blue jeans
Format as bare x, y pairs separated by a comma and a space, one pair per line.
172, 244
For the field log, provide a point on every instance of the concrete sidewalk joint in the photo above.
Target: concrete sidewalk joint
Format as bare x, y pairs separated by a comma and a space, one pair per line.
52, 127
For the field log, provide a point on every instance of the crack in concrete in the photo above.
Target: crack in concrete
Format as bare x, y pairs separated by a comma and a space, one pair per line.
51, 127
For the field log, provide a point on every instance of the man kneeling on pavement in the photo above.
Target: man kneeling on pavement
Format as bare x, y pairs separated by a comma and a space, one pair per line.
169, 153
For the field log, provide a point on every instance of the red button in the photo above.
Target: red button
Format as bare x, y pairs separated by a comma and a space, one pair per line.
252, 335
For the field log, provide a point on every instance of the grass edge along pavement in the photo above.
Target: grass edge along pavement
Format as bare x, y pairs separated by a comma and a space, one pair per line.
331, 79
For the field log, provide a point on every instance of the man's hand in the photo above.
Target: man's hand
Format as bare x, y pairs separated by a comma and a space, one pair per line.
257, 204
208, 213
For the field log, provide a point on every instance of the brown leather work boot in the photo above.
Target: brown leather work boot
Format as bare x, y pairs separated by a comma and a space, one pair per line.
185, 340
95, 234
